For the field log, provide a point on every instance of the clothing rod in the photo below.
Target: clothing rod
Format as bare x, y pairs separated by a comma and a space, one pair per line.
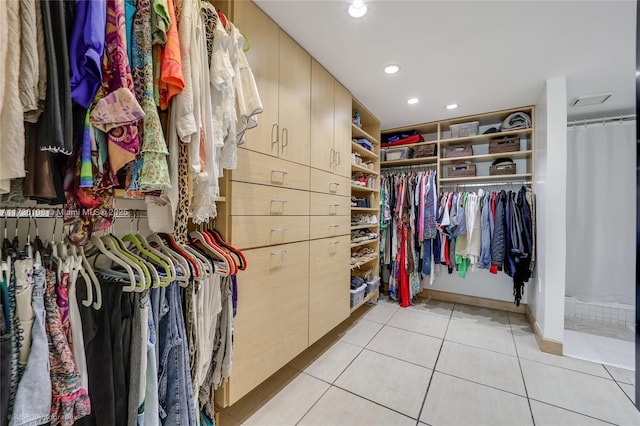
603, 120
484, 184
408, 168
53, 212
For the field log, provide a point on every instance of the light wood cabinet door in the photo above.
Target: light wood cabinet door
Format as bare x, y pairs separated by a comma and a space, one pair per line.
328, 285
294, 101
342, 130
330, 183
255, 167
260, 231
264, 59
322, 153
329, 205
260, 200
329, 226
272, 323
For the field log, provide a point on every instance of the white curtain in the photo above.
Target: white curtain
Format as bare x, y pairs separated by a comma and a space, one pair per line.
601, 212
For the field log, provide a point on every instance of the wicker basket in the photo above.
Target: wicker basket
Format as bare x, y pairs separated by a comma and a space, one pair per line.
458, 151
461, 169
502, 169
497, 146
421, 151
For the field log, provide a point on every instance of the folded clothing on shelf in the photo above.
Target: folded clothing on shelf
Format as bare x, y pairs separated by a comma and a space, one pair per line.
403, 138
515, 121
364, 142
364, 219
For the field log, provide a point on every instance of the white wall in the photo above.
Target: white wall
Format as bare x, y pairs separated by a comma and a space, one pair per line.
546, 295
479, 283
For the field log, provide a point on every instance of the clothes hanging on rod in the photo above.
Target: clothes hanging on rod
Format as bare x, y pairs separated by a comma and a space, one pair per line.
152, 96
114, 327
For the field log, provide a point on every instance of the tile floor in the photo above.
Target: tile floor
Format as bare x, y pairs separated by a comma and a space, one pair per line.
436, 363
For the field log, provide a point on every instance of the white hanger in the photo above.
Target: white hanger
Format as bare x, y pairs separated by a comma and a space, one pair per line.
181, 261
97, 242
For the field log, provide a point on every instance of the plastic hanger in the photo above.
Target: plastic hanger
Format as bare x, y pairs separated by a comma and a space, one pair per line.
150, 272
205, 242
230, 263
90, 278
238, 253
169, 261
177, 248
152, 257
102, 249
181, 262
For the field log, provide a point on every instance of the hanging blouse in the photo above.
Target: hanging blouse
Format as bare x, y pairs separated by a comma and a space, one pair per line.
171, 79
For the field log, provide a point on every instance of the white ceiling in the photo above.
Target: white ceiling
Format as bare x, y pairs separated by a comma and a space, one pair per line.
482, 55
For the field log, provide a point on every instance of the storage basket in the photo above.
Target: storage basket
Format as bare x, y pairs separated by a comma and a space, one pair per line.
461, 169
463, 130
357, 296
372, 285
507, 167
497, 146
399, 154
458, 151
421, 151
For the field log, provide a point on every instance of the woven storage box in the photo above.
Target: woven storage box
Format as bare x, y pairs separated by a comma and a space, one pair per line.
497, 146
458, 151
463, 130
502, 169
421, 151
461, 169
399, 154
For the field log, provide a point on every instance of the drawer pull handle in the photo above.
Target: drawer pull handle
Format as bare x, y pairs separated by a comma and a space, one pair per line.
335, 205
334, 242
279, 171
279, 201
333, 186
278, 253
279, 230
334, 226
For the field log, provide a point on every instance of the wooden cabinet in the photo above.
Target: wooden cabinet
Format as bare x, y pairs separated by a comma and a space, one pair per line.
328, 285
260, 231
265, 170
329, 183
282, 70
328, 226
261, 200
272, 323
330, 123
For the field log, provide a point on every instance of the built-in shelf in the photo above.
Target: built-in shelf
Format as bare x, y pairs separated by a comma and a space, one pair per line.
367, 298
364, 209
410, 145
119, 193
358, 132
364, 243
488, 157
479, 179
365, 226
476, 139
410, 162
356, 168
357, 188
361, 264
364, 152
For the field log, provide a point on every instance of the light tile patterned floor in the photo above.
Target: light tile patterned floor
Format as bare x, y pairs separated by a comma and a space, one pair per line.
435, 364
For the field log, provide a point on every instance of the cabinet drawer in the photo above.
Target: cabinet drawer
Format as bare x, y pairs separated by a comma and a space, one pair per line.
254, 167
330, 205
261, 200
329, 226
328, 285
272, 323
330, 183
259, 231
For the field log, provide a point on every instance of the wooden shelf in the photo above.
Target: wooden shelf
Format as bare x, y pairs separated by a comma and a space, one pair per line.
488, 157
356, 168
365, 226
119, 193
410, 145
358, 132
476, 139
363, 243
363, 189
409, 162
359, 264
368, 297
364, 152
364, 209
480, 179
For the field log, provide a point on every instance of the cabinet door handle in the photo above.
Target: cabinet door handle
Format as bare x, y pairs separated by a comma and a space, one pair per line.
331, 157
338, 158
285, 137
277, 133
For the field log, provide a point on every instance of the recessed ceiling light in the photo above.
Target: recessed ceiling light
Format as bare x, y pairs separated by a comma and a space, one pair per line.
413, 101
391, 69
357, 9
452, 106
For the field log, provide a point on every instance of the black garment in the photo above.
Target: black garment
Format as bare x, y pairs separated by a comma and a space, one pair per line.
55, 131
499, 230
5, 367
102, 332
523, 272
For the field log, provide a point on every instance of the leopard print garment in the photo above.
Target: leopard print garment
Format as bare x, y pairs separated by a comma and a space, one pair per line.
180, 229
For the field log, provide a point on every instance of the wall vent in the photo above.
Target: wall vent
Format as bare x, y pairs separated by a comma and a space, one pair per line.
590, 99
